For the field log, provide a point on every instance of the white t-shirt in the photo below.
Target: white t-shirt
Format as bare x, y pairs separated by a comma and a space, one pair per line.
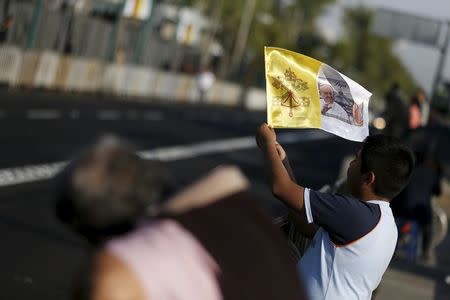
352, 249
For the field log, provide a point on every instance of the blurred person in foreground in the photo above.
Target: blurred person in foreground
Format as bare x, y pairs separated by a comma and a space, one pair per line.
209, 241
354, 236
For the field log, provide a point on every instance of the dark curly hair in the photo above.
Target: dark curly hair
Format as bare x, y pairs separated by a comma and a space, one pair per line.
102, 192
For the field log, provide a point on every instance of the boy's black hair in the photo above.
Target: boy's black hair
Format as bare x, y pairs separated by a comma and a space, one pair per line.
390, 160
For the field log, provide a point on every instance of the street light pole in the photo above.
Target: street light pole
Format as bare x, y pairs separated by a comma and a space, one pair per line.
116, 31
440, 67
143, 35
34, 24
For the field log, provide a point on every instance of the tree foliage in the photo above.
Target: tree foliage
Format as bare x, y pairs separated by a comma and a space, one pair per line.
367, 58
278, 23
292, 24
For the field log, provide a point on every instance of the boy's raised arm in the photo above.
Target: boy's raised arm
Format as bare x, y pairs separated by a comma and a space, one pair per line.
281, 184
298, 218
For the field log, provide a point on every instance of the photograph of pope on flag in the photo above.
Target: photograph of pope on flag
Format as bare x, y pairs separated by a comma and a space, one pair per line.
303, 92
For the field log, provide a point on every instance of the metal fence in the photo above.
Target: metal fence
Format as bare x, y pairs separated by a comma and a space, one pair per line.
52, 30
129, 39
89, 37
44, 46
56, 30
157, 53
21, 14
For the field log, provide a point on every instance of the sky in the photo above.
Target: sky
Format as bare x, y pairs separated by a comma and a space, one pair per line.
421, 60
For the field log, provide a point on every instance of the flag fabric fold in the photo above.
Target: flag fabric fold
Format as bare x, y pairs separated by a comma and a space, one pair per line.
303, 92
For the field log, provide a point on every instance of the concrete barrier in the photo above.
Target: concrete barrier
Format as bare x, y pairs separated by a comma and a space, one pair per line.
184, 89
227, 94
213, 94
108, 77
46, 70
93, 75
152, 82
62, 72
74, 79
139, 81
167, 85
114, 79
54, 71
193, 94
28, 69
256, 99
10, 64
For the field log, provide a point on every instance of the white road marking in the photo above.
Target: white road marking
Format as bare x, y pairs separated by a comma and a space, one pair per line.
43, 114
107, 115
193, 150
224, 146
12, 176
18, 175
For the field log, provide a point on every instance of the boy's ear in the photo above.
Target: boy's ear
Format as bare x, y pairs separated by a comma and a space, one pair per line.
369, 178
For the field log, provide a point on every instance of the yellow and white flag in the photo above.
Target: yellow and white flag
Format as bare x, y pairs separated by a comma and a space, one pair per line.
305, 93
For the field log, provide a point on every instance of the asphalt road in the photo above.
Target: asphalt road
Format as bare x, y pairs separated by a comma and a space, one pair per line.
38, 256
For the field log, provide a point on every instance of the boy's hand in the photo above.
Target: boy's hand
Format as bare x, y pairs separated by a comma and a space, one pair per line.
358, 114
281, 152
265, 136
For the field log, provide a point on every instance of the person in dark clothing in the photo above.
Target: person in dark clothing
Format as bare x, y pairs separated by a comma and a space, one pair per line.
414, 118
5, 27
414, 202
397, 112
419, 110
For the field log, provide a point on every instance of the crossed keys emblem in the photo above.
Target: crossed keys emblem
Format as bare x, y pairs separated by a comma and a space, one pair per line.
289, 86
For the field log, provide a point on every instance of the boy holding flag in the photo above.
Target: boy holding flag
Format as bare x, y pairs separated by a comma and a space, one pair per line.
353, 236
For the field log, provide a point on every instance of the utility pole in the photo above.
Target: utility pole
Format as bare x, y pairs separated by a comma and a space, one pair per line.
242, 36
34, 24
179, 48
116, 31
440, 67
143, 34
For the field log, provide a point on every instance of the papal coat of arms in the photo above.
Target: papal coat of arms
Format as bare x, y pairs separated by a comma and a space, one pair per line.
289, 86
